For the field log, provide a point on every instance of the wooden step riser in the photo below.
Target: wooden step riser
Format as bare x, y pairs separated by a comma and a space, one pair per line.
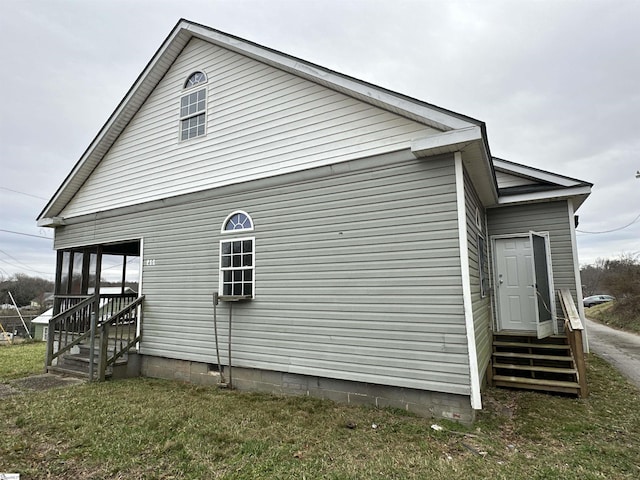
526, 362
537, 384
533, 356
570, 391
535, 368
541, 346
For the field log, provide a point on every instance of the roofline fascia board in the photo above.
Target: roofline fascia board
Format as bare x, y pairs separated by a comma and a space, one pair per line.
583, 190
116, 115
51, 222
456, 139
434, 116
536, 174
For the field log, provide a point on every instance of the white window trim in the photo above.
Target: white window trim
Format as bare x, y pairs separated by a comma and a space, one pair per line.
189, 91
221, 270
483, 267
206, 80
235, 212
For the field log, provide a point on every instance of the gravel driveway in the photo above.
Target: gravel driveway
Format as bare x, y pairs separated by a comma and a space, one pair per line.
620, 349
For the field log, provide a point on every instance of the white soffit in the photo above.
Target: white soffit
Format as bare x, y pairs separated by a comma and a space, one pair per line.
534, 173
580, 193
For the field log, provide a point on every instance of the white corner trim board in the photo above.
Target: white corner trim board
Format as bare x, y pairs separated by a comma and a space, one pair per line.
476, 400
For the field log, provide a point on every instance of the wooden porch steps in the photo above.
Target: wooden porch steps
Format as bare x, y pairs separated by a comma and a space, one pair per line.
77, 364
521, 360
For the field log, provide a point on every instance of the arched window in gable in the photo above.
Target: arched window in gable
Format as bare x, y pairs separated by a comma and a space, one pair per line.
196, 78
193, 107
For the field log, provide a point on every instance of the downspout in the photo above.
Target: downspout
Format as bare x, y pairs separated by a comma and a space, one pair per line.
476, 400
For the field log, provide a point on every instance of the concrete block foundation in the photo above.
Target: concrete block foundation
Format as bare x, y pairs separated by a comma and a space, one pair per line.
421, 402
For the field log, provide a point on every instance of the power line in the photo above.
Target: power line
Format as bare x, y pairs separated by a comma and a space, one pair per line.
24, 265
24, 234
20, 267
23, 193
613, 229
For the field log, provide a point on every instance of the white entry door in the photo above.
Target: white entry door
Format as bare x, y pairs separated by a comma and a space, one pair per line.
523, 284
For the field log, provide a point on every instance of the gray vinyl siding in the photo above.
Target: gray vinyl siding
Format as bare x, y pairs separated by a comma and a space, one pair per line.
506, 180
481, 305
357, 273
552, 217
260, 122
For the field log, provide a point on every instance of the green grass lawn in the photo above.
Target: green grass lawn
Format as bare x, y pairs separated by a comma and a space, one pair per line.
144, 428
21, 359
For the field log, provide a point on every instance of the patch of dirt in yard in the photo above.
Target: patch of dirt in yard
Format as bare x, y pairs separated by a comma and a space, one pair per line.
6, 390
38, 383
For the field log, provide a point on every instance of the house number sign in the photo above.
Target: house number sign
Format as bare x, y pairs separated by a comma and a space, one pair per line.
150, 262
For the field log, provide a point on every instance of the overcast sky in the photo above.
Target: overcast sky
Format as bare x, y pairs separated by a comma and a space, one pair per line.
557, 83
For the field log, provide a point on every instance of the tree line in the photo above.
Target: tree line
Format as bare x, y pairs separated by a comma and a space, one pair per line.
24, 288
619, 277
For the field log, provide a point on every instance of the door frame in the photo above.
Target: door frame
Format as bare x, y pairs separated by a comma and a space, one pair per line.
494, 277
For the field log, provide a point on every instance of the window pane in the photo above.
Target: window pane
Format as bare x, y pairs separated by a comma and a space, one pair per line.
226, 261
248, 275
76, 274
248, 289
226, 248
227, 276
247, 260
237, 289
226, 289
237, 276
200, 130
64, 278
237, 247
247, 246
237, 261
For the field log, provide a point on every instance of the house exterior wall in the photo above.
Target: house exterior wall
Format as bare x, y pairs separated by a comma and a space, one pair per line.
261, 122
506, 180
481, 304
552, 217
357, 273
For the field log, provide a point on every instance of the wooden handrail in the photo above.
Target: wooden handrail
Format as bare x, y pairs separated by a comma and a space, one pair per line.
124, 310
72, 310
58, 319
573, 328
104, 360
74, 325
569, 308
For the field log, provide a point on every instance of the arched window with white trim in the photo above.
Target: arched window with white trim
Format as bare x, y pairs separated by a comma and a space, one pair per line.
237, 220
237, 256
193, 107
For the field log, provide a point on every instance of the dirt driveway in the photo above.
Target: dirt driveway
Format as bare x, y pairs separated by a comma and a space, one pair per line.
620, 349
